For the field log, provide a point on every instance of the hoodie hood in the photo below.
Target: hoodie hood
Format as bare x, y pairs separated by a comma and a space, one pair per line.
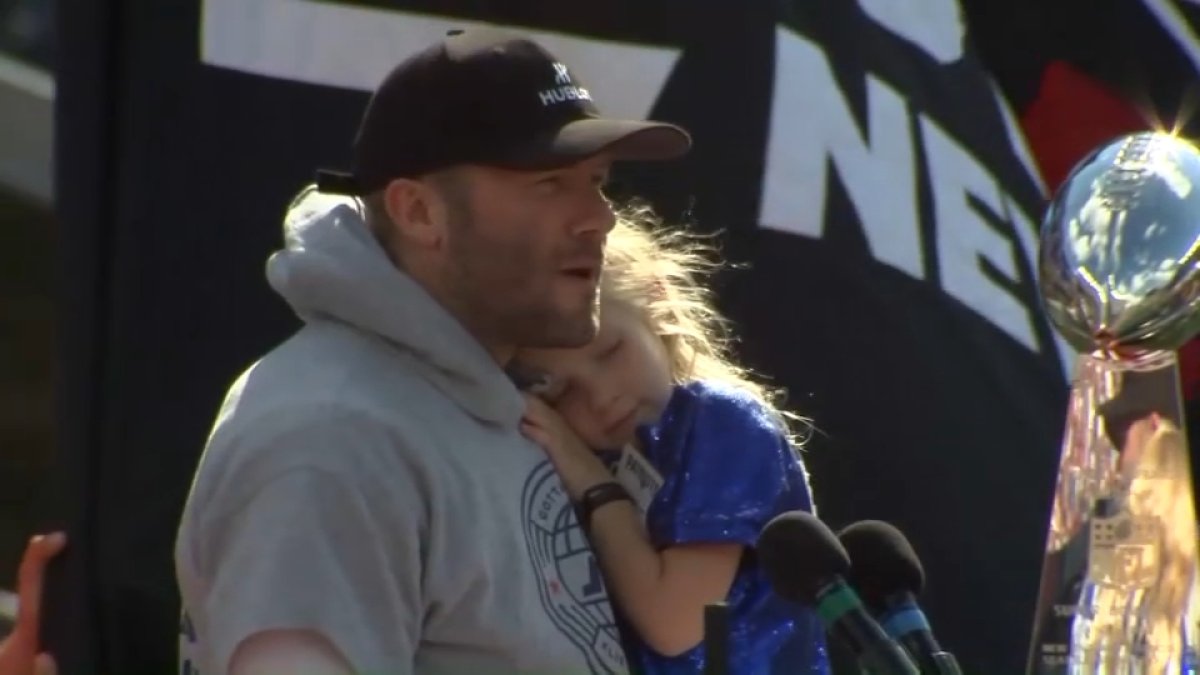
332, 267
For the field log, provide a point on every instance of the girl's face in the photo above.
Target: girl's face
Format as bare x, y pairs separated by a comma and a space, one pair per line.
608, 388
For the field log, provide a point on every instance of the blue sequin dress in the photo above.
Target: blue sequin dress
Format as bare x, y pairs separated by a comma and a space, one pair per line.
726, 470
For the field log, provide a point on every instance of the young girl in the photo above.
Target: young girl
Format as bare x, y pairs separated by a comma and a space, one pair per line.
702, 460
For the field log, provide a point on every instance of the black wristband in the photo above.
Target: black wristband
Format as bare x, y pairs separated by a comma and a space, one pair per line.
597, 496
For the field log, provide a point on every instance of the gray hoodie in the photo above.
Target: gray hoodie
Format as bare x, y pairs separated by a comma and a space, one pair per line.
367, 480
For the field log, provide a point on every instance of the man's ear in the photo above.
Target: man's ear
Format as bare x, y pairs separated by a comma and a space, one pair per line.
417, 211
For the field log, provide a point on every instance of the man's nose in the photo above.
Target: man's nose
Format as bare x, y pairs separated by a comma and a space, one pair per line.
596, 217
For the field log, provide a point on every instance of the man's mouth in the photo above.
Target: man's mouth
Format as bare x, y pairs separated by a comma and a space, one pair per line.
587, 273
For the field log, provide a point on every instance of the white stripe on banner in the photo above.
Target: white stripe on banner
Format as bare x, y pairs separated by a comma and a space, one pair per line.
1178, 27
354, 47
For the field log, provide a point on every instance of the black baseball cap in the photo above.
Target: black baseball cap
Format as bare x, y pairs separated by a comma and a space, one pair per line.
488, 96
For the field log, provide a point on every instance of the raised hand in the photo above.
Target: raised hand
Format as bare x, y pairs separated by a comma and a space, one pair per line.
20, 652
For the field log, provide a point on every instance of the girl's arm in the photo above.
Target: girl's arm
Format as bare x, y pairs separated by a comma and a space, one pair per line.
662, 593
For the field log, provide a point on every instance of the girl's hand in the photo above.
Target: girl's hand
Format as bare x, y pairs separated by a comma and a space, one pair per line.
544, 426
19, 652
577, 466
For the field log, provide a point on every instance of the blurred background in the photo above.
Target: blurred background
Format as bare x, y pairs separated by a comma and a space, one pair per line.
27, 271
881, 166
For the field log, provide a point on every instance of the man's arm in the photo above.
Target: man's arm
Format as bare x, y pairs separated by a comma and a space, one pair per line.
294, 652
329, 547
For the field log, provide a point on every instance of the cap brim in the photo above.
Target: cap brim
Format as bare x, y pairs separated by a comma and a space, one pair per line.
622, 140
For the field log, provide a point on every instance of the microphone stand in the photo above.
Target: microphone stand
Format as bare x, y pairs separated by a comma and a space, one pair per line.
946, 664
716, 639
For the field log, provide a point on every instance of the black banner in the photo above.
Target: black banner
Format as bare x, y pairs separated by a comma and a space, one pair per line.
856, 154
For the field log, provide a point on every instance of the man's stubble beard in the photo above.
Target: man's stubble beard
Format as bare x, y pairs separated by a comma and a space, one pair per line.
493, 311
561, 332
526, 318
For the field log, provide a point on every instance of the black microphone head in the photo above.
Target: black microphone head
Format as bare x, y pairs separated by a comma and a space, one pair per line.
883, 561
799, 554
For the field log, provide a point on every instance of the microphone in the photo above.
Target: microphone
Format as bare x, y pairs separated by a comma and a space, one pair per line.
888, 574
805, 563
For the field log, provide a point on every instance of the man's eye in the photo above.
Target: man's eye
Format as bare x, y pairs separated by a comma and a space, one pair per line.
549, 183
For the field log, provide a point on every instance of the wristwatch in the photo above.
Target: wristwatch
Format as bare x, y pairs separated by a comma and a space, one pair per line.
597, 496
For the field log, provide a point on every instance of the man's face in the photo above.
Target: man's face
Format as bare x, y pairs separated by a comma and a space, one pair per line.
524, 252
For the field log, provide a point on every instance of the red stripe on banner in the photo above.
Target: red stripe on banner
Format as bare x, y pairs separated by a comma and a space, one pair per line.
1073, 114
1189, 369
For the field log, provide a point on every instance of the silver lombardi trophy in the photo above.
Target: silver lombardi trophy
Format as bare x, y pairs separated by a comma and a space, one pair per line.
1119, 279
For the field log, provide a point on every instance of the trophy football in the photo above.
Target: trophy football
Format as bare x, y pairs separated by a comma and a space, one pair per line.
1119, 279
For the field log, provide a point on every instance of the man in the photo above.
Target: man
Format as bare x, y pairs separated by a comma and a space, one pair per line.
366, 503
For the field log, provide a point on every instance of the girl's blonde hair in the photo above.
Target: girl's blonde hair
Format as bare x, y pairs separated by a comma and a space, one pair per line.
660, 272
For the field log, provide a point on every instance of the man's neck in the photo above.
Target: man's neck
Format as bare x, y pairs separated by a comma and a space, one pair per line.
503, 354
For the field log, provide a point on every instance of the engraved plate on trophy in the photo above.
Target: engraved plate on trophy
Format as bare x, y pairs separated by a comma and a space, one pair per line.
1119, 279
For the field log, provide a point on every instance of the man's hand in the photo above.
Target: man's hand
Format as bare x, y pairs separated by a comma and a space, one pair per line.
20, 652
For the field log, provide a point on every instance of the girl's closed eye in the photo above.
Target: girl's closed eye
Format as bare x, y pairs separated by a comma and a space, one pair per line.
555, 390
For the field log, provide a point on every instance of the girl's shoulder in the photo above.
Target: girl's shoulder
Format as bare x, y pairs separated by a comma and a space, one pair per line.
723, 401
